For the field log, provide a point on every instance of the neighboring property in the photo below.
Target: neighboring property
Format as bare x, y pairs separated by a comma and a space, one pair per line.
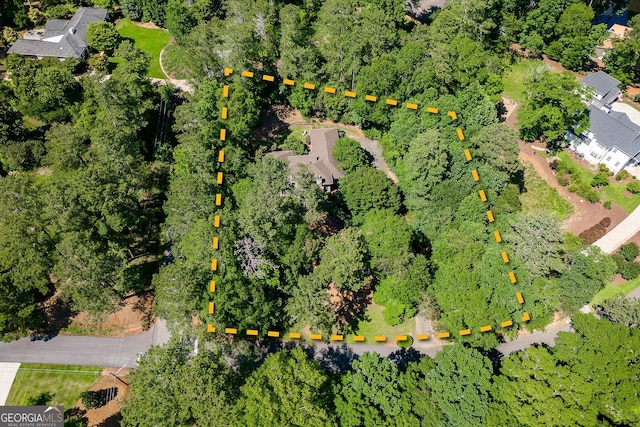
61, 38
612, 138
617, 31
319, 160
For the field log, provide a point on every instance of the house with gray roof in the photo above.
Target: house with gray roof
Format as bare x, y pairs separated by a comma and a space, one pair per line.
612, 138
604, 88
61, 38
319, 160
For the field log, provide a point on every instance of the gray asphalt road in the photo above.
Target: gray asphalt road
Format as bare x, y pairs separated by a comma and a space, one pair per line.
115, 352
89, 351
523, 341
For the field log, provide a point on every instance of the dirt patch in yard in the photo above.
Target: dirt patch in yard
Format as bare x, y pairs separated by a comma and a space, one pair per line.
585, 214
114, 391
134, 317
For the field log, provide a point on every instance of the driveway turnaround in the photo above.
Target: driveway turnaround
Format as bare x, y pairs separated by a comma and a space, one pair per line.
7, 375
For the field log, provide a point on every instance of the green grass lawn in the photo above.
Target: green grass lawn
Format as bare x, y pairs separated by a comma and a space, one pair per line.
174, 62
539, 196
65, 382
611, 291
615, 192
147, 39
513, 80
377, 326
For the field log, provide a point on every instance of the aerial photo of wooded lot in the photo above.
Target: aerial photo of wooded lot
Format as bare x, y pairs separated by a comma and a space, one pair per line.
321, 212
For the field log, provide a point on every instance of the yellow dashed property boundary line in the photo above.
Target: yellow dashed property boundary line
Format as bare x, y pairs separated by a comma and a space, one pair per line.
215, 244
357, 338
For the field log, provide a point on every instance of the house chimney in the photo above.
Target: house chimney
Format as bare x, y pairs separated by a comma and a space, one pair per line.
72, 30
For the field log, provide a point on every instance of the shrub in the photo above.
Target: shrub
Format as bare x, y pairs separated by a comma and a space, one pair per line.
600, 180
631, 270
407, 343
637, 98
604, 169
607, 204
563, 179
98, 62
633, 187
38, 399
563, 167
91, 399
553, 165
630, 251
620, 262
586, 192
623, 174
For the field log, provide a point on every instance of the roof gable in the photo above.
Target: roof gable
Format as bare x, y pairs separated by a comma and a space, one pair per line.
604, 85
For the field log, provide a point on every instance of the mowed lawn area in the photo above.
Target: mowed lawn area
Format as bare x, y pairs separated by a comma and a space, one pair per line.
513, 80
616, 192
149, 40
613, 290
377, 326
64, 382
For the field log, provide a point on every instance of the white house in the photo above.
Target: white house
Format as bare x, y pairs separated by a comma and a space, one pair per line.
612, 138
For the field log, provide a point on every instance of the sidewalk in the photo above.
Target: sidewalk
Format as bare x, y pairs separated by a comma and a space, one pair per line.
8, 373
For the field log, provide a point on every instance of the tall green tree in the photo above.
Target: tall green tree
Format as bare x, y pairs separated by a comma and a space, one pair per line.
172, 386
287, 389
371, 394
425, 166
366, 189
25, 254
553, 106
102, 36
460, 384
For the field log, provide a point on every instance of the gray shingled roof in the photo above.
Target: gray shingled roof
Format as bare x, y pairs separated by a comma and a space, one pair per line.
604, 84
615, 130
73, 31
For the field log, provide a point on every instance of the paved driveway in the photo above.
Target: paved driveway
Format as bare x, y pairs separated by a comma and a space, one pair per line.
620, 233
7, 375
633, 114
